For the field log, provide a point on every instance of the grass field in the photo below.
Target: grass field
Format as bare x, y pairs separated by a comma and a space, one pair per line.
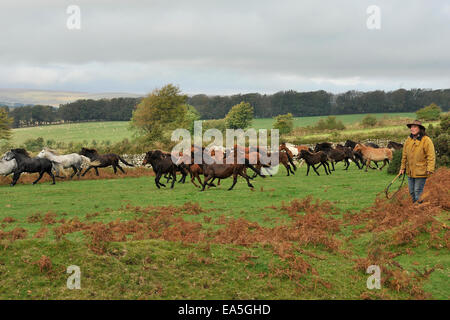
163, 267
117, 131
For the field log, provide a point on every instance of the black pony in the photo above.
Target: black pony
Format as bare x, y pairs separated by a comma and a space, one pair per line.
161, 164
105, 160
30, 165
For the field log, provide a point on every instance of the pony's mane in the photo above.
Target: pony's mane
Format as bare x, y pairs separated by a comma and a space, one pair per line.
326, 144
20, 151
51, 151
90, 150
307, 151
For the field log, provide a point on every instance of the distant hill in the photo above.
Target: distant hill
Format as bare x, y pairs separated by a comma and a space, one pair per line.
19, 97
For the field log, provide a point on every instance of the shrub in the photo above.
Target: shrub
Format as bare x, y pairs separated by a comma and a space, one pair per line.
284, 123
396, 162
369, 121
329, 123
34, 144
219, 124
441, 137
430, 112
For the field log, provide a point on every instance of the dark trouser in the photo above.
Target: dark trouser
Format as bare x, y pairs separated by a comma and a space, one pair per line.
415, 186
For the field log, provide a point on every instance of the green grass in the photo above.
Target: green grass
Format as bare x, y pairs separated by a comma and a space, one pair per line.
347, 119
113, 131
157, 269
117, 131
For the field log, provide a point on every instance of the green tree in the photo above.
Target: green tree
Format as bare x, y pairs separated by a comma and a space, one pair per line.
369, 121
284, 123
240, 116
430, 112
192, 115
160, 112
5, 124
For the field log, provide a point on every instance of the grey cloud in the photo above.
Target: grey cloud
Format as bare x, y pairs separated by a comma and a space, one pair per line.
218, 46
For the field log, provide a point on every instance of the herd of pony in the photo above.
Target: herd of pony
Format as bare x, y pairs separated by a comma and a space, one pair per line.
18, 161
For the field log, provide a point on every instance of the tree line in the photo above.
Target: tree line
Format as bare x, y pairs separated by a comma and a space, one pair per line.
116, 109
318, 103
299, 104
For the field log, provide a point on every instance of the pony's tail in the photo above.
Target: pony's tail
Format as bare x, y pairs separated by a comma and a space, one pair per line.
86, 162
58, 167
291, 161
247, 163
126, 163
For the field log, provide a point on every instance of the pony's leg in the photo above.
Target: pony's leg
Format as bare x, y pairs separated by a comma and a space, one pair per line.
114, 169
96, 171
211, 184
325, 165
247, 178
332, 165
75, 170
120, 168
292, 171
199, 180
315, 170
174, 178
158, 176
367, 164
50, 173
287, 169
384, 164
39, 178
86, 171
347, 164
80, 169
15, 178
193, 181
234, 181
307, 170
205, 181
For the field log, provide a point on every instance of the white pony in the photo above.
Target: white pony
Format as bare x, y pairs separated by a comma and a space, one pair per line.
73, 160
7, 167
296, 152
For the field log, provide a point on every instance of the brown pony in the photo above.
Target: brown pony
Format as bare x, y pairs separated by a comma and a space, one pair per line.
374, 154
105, 160
226, 170
194, 169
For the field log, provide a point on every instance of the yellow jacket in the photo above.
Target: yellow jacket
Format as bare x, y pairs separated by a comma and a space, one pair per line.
418, 157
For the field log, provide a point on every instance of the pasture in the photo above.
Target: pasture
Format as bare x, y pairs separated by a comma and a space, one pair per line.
133, 241
119, 130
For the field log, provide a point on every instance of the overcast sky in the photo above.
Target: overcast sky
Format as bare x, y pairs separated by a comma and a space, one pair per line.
224, 47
